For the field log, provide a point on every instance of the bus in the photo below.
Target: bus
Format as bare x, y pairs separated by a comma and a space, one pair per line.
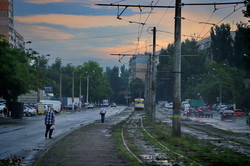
139, 104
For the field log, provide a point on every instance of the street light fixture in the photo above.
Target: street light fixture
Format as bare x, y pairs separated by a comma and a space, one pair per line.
87, 95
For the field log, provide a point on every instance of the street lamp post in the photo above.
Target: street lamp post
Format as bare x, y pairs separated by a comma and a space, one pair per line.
60, 84
87, 97
73, 89
80, 92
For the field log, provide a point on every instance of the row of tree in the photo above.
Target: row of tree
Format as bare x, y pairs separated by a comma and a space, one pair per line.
217, 71
25, 70
216, 74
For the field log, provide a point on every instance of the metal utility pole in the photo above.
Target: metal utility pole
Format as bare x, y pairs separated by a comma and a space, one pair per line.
60, 95
153, 84
80, 92
73, 89
176, 128
176, 124
87, 98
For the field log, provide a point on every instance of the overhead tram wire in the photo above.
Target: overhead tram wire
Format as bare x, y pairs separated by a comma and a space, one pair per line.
207, 22
140, 34
164, 14
224, 18
99, 37
183, 4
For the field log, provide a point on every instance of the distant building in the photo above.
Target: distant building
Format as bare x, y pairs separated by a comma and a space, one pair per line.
138, 67
205, 44
7, 30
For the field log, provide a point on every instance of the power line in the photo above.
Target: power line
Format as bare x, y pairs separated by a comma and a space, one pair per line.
207, 22
225, 18
89, 38
182, 4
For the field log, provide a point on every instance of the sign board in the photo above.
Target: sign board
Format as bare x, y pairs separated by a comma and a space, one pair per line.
48, 89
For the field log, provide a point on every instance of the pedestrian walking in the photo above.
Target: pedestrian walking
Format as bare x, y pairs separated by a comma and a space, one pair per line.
5, 111
102, 113
49, 122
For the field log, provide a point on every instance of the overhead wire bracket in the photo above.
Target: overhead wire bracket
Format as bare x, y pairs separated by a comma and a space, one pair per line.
119, 14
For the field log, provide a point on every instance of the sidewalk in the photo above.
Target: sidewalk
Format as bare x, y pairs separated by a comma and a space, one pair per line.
90, 145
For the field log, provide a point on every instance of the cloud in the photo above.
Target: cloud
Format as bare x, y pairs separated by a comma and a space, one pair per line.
52, 1
43, 1
71, 21
42, 32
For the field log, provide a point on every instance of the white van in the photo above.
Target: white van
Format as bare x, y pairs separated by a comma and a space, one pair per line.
56, 104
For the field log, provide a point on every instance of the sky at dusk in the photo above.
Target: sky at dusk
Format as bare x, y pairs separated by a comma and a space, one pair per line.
78, 31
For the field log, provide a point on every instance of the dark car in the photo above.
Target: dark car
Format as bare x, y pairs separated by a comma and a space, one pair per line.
191, 112
204, 112
68, 107
239, 112
113, 105
228, 114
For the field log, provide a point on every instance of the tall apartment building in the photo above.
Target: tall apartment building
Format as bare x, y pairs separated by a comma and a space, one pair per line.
138, 67
7, 30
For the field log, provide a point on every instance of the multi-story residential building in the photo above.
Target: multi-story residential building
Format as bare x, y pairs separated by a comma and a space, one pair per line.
7, 30
138, 67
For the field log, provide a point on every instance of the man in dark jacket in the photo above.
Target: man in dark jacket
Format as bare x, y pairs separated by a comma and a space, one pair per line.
102, 113
49, 122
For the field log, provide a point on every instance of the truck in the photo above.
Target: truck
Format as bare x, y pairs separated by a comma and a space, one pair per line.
105, 103
195, 103
56, 104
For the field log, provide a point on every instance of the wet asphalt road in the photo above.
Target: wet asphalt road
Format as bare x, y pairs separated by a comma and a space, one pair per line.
24, 137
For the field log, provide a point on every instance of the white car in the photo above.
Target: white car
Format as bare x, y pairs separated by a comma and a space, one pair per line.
28, 111
90, 106
2, 105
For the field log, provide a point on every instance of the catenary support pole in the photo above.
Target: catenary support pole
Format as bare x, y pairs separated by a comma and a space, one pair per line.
153, 86
73, 89
176, 124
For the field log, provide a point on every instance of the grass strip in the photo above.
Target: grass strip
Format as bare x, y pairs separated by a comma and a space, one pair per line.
198, 150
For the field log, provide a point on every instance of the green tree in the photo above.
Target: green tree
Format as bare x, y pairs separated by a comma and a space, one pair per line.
164, 76
53, 76
221, 79
242, 46
221, 43
118, 80
124, 87
15, 71
137, 87
99, 87
114, 82
192, 69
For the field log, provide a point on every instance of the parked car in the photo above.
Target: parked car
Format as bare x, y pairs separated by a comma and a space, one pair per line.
113, 105
228, 114
2, 105
204, 112
90, 106
191, 112
225, 107
239, 112
29, 111
248, 118
68, 107
33, 107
